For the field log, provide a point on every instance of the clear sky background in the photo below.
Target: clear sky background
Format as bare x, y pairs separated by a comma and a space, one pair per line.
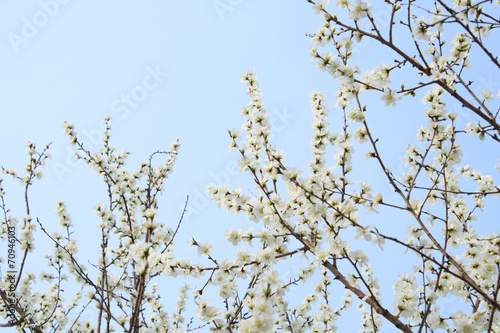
77, 61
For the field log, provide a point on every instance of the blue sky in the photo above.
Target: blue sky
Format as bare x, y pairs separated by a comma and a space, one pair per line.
81, 65
180, 63
162, 70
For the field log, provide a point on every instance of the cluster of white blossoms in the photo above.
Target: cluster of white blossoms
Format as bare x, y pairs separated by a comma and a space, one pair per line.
32, 306
135, 248
307, 220
308, 215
